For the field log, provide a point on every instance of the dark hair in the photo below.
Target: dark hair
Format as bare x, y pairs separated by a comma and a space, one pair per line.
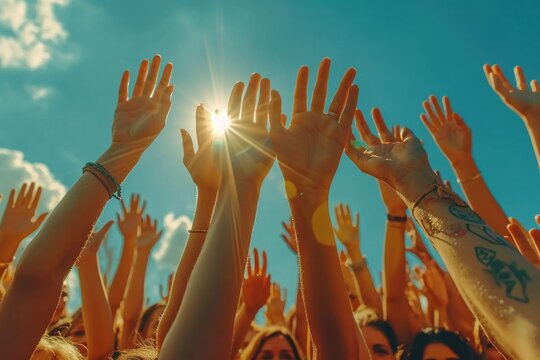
455, 341
365, 316
145, 318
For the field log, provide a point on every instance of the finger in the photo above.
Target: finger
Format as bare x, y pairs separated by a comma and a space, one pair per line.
447, 108
338, 215
535, 86
437, 108
434, 119
261, 118
520, 239
459, 121
363, 129
347, 117
142, 208
187, 144
487, 70
123, 90
118, 220
141, 77
105, 229
250, 98
338, 102
21, 196
28, 197
249, 269
535, 237
35, 201
134, 203
498, 84
40, 219
284, 298
384, 134
256, 259
498, 71
300, 91
264, 264
235, 101
166, 76
123, 204
321, 87
427, 123
203, 126
275, 113
348, 214
520, 78
150, 82
357, 223
11, 199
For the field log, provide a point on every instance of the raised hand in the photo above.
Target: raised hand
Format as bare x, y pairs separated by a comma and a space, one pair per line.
141, 117
148, 236
256, 285
129, 222
246, 155
309, 150
289, 237
19, 219
93, 243
200, 164
394, 205
524, 242
347, 231
448, 129
522, 100
275, 306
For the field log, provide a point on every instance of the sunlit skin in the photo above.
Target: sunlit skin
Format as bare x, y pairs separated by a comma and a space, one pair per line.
377, 343
220, 123
403, 164
276, 348
439, 351
77, 335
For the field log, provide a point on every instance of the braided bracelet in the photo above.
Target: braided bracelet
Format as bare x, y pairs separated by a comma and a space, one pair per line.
97, 169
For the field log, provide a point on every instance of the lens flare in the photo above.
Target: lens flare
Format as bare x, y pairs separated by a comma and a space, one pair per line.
220, 123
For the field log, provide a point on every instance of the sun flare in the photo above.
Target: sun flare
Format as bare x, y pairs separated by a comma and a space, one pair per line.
220, 123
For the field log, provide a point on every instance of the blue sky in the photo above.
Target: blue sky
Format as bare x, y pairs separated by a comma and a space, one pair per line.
403, 51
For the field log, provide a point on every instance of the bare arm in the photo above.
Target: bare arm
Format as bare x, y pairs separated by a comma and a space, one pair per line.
216, 279
206, 176
97, 317
309, 152
129, 225
30, 303
454, 138
497, 283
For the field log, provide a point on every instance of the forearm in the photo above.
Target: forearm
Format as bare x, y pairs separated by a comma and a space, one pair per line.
395, 280
498, 285
50, 256
242, 324
479, 196
368, 293
331, 321
211, 298
134, 298
97, 317
118, 285
194, 244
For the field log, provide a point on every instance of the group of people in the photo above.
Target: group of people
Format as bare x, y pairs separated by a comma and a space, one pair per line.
481, 303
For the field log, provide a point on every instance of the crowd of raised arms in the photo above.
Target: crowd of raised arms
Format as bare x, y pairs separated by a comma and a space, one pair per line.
482, 302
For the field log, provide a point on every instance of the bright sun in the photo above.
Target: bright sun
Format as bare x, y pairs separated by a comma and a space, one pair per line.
220, 123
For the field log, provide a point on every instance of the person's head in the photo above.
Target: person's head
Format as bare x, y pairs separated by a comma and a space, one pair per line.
56, 348
61, 308
76, 332
438, 344
378, 334
272, 343
150, 321
145, 351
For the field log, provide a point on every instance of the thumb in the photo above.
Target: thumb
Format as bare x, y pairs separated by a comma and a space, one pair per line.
187, 144
40, 219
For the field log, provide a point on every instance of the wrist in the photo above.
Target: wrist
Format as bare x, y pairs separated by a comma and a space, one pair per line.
355, 255
206, 200
400, 212
414, 185
8, 248
249, 311
465, 168
120, 159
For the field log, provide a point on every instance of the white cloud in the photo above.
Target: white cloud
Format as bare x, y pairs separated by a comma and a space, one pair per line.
32, 31
15, 170
38, 92
172, 243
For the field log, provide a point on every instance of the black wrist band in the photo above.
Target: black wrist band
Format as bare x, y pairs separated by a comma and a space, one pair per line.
396, 218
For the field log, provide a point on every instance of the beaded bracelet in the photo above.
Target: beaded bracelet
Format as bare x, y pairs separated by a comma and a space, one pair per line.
360, 266
99, 172
197, 231
396, 218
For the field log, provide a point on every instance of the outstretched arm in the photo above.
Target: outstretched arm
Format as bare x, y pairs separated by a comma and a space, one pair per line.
497, 283
205, 175
454, 138
211, 298
97, 317
129, 225
309, 152
30, 302
523, 101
